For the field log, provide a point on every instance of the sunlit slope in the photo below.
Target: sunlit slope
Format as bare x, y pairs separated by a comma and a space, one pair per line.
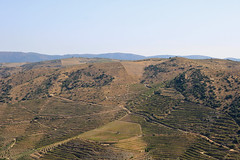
169, 108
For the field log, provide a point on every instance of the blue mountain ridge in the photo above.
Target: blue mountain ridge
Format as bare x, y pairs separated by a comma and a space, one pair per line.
17, 57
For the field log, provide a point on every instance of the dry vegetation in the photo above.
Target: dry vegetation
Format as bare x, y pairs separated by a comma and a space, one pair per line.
103, 109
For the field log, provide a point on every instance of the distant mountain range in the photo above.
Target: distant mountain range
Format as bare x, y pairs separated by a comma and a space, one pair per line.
16, 57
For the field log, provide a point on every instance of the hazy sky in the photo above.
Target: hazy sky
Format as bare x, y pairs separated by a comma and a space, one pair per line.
146, 27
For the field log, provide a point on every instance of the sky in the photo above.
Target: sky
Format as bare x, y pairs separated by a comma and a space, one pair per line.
145, 27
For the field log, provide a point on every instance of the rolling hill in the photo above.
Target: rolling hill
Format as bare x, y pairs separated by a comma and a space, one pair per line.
20, 57
84, 108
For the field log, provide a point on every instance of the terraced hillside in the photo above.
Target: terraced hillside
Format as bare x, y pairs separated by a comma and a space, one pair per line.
79, 149
105, 109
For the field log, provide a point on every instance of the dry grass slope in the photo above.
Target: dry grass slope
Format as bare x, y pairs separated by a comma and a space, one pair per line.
177, 109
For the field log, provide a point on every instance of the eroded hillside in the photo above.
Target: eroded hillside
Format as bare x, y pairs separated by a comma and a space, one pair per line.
102, 109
